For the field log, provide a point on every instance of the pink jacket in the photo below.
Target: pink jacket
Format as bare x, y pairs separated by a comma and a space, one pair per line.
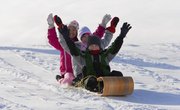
65, 58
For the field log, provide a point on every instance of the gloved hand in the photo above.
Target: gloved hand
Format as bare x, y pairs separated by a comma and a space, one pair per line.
58, 21
50, 20
125, 29
64, 31
112, 27
105, 20
114, 21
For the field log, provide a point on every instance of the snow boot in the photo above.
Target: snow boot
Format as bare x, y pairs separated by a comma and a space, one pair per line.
91, 83
58, 77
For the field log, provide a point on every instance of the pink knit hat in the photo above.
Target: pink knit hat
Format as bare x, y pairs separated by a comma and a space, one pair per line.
75, 24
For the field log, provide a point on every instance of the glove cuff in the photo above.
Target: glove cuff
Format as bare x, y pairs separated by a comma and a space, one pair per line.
51, 26
111, 29
103, 25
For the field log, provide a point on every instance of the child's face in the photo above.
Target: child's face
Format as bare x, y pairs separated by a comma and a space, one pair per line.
84, 38
93, 47
72, 32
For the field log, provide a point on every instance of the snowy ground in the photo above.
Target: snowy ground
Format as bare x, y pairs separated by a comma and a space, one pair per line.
27, 80
27, 73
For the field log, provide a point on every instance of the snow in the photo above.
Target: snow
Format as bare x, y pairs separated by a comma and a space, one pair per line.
28, 82
150, 54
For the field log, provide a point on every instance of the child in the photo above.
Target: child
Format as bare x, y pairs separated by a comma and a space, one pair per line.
84, 34
65, 59
95, 59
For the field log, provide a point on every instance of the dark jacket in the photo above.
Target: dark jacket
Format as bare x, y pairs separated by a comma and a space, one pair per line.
88, 60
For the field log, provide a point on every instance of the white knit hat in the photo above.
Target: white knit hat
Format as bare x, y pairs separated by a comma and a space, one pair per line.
75, 24
84, 30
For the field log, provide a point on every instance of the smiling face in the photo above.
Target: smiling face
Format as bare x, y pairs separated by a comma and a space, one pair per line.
72, 31
84, 38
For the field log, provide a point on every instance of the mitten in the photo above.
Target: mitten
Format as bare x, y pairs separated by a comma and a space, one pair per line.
112, 27
58, 21
125, 29
50, 20
105, 20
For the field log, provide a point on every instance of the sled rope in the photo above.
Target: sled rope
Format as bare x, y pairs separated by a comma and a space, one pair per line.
81, 83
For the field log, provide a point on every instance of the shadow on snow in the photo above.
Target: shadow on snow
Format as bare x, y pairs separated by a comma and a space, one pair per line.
151, 97
142, 63
117, 59
45, 51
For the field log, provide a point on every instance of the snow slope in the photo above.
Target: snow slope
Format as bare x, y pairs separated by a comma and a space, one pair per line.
27, 79
28, 66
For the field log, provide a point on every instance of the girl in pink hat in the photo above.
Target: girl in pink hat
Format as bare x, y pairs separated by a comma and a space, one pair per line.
66, 72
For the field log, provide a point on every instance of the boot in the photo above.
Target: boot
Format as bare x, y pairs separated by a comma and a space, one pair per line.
91, 84
58, 77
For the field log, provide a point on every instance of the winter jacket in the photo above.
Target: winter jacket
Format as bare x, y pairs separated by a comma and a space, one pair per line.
65, 58
87, 59
77, 67
99, 32
79, 64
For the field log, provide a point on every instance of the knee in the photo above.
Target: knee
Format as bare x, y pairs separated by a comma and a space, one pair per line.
116, 73
91, 83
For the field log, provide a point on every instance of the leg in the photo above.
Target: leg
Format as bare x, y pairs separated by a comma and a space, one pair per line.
58, 77
90, 83
77, 79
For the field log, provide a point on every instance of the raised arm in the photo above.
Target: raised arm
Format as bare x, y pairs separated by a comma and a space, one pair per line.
116, 45
63, 43
107, 39
109, 32
64, 32
52, 36
102, 26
